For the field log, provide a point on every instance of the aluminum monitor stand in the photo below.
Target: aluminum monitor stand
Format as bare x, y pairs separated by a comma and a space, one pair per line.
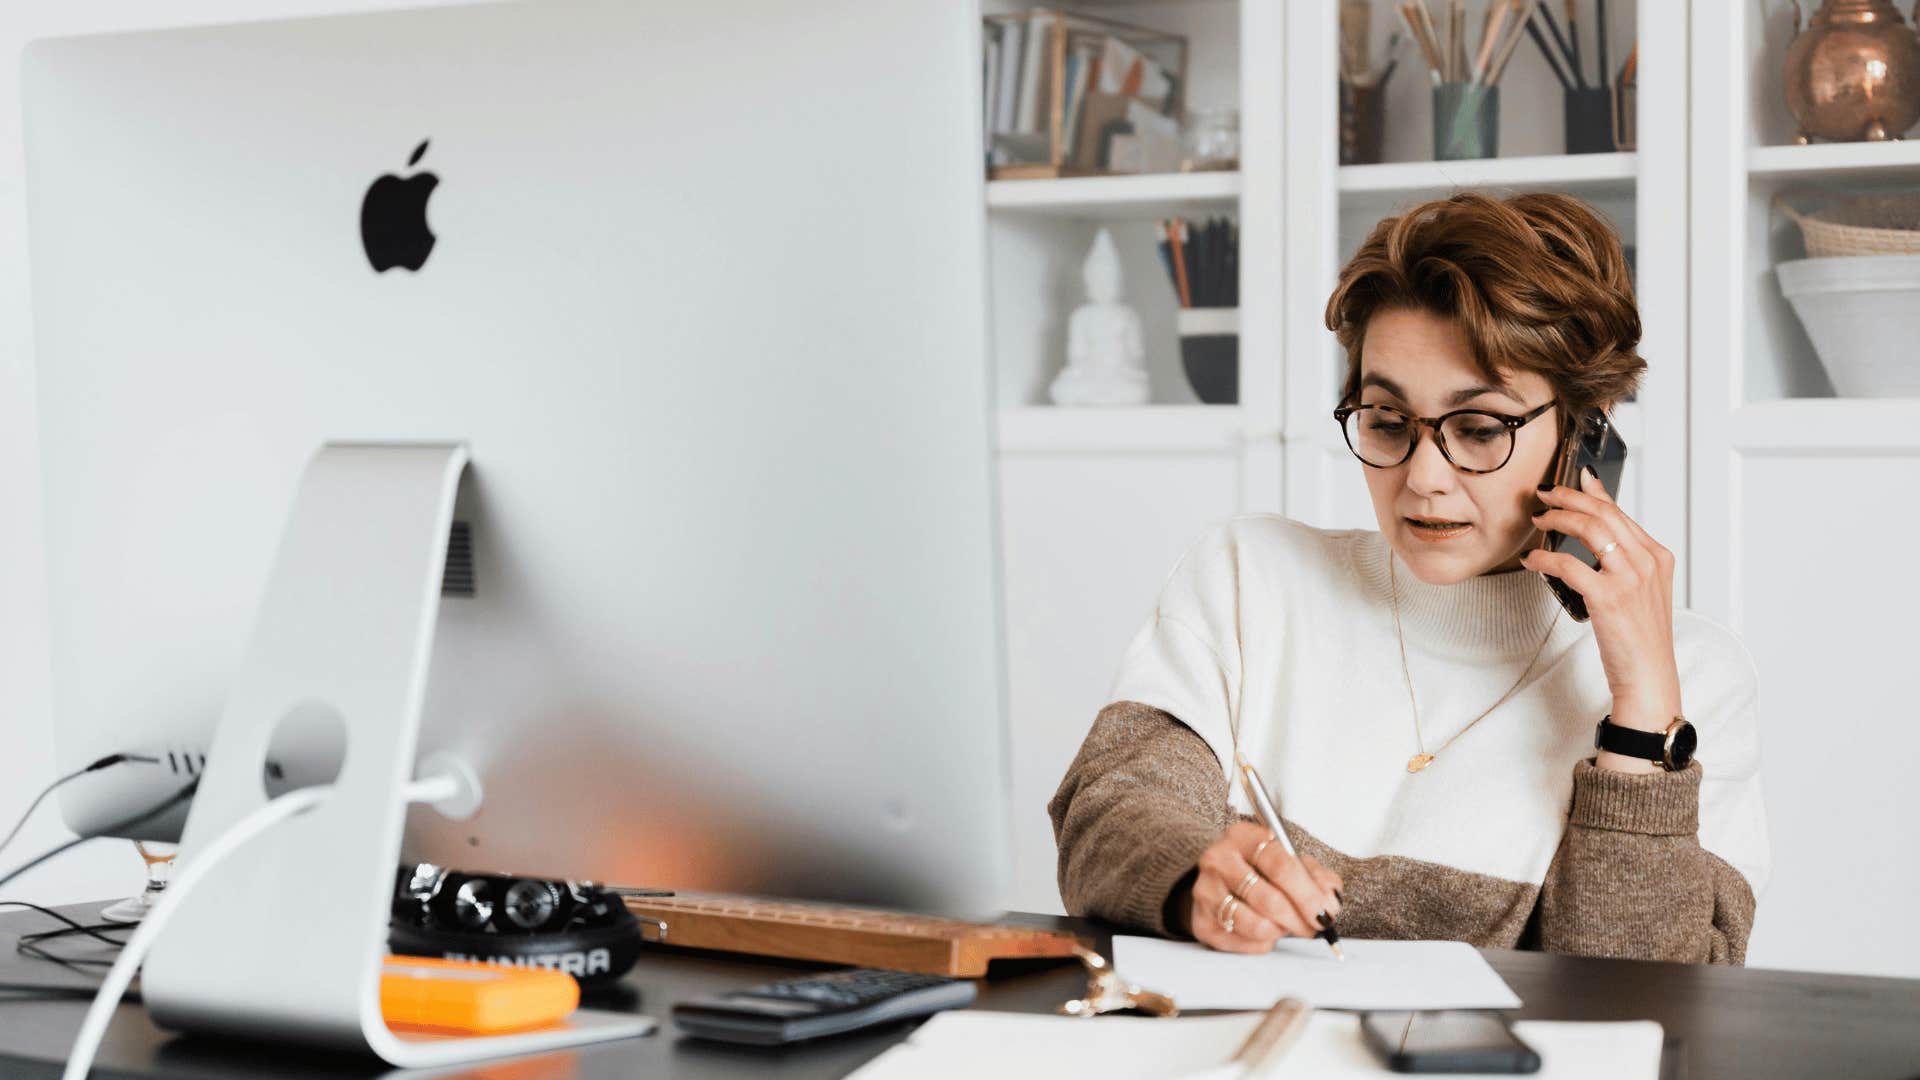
284, 940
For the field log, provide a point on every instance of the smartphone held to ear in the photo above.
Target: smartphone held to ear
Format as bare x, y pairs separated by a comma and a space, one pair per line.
1448, 1041
1594, 443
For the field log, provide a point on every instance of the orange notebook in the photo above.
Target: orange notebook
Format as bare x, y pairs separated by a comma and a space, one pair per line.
468, 998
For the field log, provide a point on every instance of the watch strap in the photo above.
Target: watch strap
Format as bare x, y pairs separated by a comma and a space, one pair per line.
1630, 742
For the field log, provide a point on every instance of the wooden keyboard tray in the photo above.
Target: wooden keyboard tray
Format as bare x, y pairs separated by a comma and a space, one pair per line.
861, 937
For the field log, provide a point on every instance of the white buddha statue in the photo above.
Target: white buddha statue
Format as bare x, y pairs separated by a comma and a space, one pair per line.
1106, 361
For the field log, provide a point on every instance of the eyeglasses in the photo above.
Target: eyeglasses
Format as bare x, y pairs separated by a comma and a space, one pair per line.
1473, 440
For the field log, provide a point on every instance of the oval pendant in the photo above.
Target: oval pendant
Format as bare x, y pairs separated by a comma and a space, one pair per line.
1418, 762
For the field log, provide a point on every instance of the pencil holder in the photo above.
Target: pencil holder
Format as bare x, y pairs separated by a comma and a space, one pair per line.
1589, 116
1466, 121
1210, 353
1363, 122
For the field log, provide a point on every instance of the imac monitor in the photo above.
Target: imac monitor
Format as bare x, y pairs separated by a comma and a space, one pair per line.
701, 288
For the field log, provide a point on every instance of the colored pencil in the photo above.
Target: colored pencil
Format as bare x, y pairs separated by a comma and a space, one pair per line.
1174, 228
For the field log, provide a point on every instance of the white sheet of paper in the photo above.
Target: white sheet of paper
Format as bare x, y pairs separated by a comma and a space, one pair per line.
973, 1043
1375, 974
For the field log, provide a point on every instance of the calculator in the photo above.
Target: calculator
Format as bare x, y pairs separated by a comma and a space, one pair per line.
815, 1005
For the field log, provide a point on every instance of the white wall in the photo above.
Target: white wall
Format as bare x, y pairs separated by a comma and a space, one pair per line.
103, 868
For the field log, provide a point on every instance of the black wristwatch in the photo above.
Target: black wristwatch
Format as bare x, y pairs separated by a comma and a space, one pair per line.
1671, 749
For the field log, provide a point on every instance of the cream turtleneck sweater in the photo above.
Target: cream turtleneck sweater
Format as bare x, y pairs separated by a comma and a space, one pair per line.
1278, 639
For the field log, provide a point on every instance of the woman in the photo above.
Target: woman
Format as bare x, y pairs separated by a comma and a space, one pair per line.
1422, 708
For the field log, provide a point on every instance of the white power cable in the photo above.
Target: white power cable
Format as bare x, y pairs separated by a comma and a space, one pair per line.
262, 818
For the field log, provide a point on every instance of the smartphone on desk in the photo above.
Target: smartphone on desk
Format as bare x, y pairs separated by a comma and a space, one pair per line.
1450, 1041
1594, 443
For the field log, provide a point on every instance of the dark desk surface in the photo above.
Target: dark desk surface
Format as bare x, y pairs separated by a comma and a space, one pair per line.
1729, 1022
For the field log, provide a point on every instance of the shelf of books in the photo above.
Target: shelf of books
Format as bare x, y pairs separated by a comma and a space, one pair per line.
1072, 94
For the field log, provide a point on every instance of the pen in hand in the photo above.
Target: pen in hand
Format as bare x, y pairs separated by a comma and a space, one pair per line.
1257, 794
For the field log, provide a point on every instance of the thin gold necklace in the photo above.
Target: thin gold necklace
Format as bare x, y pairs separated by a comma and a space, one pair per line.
1423, 759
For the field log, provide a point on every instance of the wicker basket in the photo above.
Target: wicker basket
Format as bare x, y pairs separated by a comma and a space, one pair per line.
1857, 225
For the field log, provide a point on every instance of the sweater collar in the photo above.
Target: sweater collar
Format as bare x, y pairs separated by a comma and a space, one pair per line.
1491, 616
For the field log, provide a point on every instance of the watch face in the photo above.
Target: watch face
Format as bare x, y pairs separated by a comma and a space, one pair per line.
1681, 744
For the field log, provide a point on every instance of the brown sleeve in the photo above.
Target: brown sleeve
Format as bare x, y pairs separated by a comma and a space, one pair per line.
1631, 879
1143, 798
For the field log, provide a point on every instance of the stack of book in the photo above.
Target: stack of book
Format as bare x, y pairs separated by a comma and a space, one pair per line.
1061, 88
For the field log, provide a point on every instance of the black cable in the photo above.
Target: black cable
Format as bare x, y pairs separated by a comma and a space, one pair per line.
73, 963
115, 828
92, 931
72, 927
41, 993
110, 759
29, 945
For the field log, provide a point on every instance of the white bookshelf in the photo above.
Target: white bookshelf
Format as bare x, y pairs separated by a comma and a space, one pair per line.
1590, 175
1118, 198
1827, 427
1819, 161
1742, 461
1787, 485
1098, 503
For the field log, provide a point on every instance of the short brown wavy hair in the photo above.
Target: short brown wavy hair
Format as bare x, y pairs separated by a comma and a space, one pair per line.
1537, 282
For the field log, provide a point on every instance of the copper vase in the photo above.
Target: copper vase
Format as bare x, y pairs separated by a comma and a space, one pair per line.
1853, 73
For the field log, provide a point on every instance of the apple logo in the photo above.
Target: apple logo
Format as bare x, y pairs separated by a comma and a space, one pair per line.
393, 218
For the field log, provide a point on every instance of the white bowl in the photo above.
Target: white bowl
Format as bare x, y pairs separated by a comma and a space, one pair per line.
1863, 314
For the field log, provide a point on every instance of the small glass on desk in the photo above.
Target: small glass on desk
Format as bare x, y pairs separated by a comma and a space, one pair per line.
159, 859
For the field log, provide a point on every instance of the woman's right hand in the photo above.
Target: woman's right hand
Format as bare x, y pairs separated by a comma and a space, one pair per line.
1284, 897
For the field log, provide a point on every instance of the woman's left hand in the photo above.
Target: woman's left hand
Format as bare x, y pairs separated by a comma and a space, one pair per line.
1629, 599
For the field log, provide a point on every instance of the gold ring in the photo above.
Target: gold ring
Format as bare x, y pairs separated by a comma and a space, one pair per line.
1225, 915
1248, 882
1608, 549
1260, 847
